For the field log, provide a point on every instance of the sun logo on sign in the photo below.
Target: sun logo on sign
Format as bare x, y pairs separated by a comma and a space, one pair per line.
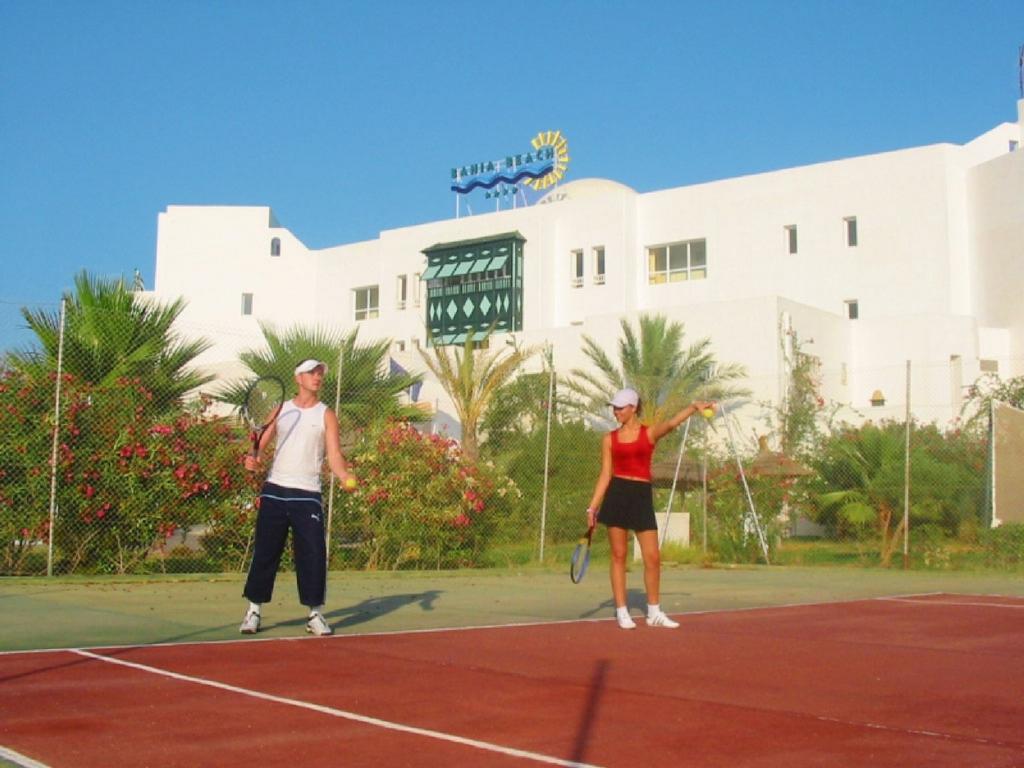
556, 141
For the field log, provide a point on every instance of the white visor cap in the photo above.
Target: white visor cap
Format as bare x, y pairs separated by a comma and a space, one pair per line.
624, 397
310, 365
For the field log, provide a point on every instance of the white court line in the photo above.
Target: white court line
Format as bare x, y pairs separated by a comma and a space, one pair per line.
951, 602
919, 732
324, 710
19, 759
469, 628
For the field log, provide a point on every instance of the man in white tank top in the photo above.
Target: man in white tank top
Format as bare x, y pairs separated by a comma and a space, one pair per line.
306, 431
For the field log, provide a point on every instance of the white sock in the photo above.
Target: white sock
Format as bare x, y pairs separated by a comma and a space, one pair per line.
254, 608
622, 612
653, 609
315, 609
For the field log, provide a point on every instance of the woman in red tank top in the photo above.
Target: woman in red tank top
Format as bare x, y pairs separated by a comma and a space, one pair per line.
623, 500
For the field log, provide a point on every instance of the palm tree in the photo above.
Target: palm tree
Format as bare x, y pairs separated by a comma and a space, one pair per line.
471, 377
112, 333
370, 390
653, 361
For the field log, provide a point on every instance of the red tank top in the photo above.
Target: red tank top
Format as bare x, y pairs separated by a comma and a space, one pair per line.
632, 459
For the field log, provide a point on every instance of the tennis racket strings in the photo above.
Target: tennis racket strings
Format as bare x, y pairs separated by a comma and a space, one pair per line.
262, 401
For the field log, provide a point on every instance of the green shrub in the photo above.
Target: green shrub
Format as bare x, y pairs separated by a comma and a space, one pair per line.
1004, 546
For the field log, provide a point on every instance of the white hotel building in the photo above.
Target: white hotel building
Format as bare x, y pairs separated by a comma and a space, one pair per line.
913, 255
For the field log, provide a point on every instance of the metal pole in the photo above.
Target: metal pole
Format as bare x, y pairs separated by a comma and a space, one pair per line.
675, 479
330, 493
56, 438
704, 469
547, 450
746, 489
906, 480
704, 494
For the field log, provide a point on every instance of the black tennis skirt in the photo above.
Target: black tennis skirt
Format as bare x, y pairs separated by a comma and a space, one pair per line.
628, 504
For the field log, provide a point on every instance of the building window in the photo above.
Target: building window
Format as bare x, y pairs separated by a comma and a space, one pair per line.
472, 286
676, 262
399, 346
417, 289
599, 265
1014, 145
852, 309
790, 238
275, 246
401, 289
246, 303
989, 366
367, 302
850, 223
576, 268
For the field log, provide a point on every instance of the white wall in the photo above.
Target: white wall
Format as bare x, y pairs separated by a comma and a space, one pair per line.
996, 220
937, 269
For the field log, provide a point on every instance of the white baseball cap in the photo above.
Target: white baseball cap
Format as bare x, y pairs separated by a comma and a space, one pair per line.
624, 397
310, 365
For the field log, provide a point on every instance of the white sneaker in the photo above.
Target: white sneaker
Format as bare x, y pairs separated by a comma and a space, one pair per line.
250, 624
625, 622
659, 619
317, 625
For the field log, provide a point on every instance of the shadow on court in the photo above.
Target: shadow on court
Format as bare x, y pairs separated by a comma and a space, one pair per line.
370, 609
589, 714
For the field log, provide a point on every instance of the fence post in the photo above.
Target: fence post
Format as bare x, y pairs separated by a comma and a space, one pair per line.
330, 490
906, 479
704, 491
547, 449
56, 439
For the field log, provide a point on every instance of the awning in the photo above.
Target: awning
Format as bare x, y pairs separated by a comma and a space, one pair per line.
497, 263
463, 267
480, 265
446, 270
431, 272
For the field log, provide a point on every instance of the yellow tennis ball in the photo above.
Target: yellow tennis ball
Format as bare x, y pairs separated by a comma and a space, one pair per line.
351, 483
708, 413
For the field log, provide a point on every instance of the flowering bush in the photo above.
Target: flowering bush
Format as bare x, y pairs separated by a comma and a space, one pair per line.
129, 471
419, 504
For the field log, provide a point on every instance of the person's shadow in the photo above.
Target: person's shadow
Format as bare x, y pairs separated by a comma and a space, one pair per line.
636, 599
372, 608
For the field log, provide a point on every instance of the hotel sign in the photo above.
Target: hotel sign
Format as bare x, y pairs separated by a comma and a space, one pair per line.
542, 166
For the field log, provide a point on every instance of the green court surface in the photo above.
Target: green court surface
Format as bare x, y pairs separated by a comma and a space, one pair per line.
40, 613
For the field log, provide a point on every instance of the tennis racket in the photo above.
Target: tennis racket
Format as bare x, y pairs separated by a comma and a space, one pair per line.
581, 557
262, 403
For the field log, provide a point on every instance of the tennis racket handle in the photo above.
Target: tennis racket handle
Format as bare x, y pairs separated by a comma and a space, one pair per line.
591, 517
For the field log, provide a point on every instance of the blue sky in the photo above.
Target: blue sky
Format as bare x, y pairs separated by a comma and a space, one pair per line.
346, 117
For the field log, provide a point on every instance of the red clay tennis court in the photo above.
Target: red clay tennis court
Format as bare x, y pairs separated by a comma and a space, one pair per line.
932, 680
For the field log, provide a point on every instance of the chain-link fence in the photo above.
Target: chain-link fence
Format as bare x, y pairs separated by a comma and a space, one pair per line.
122, 452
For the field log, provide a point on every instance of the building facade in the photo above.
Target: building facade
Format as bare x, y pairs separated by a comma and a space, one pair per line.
870, 261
